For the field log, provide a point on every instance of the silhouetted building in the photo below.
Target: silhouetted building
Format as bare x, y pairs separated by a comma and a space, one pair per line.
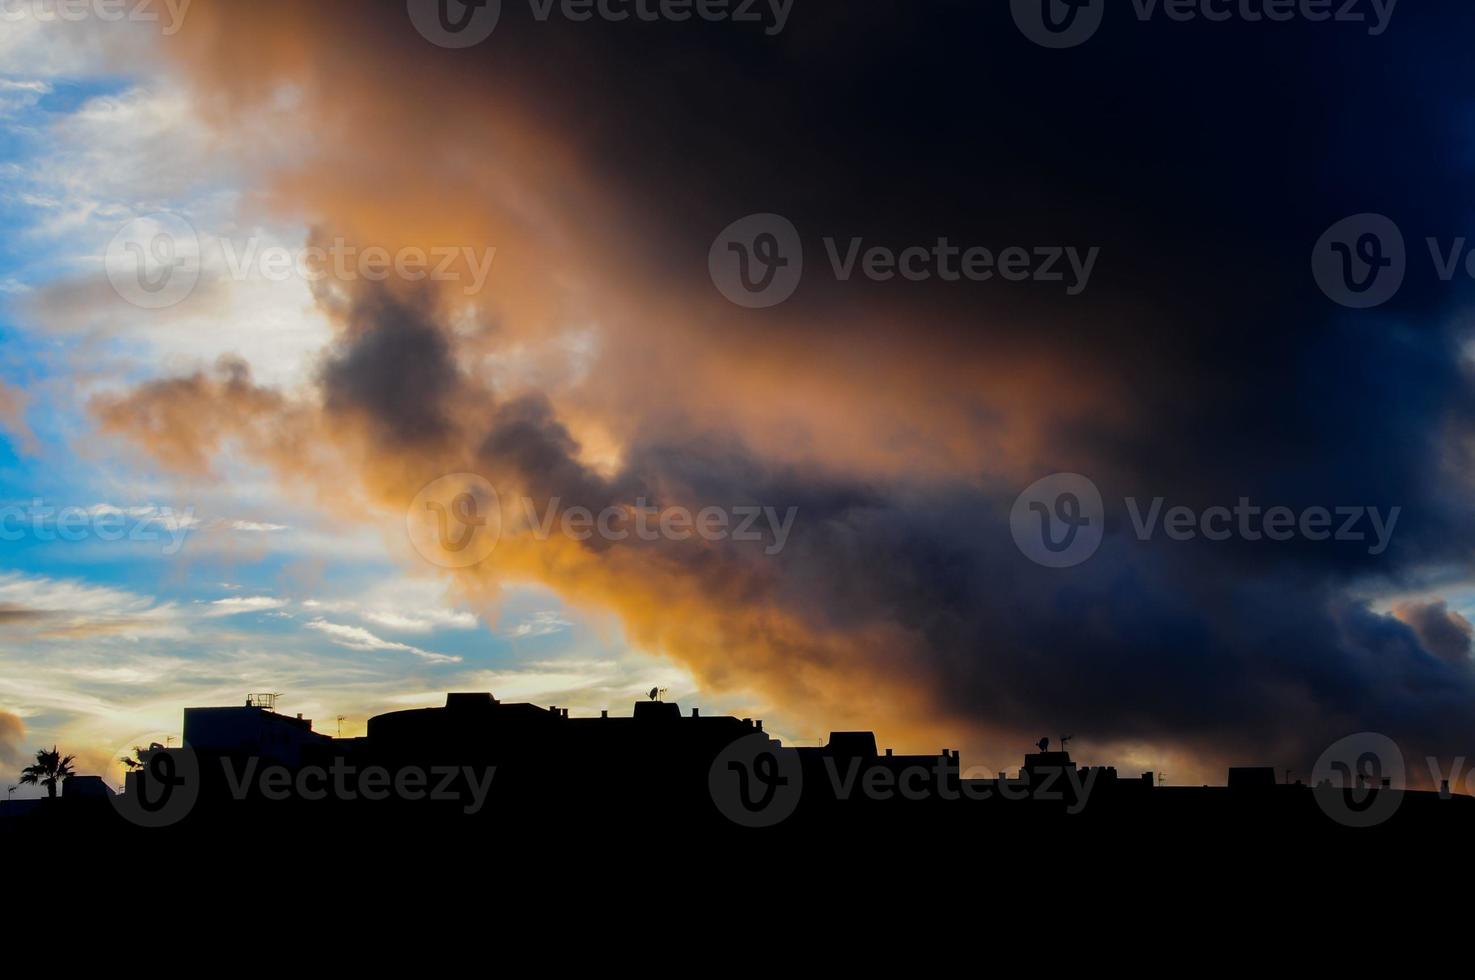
529, 771
1251, 778
85, 787
250, 729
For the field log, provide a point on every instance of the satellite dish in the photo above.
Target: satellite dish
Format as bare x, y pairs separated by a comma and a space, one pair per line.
655, 692
1043, 745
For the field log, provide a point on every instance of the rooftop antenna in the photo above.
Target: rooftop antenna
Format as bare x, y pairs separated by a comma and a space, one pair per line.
661, 694
340, 725
1063, 740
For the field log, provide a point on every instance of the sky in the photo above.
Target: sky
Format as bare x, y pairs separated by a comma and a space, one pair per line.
253, 457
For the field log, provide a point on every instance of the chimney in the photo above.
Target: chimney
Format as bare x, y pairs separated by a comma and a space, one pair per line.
888, 753
759, 724
604, 713
696, 712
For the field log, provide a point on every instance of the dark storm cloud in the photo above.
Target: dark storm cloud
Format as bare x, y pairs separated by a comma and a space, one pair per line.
1204, 160
1443, 632
526, 434
394, 368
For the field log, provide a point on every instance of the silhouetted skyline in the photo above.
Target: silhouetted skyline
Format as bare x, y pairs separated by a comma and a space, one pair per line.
967, 373
480, 765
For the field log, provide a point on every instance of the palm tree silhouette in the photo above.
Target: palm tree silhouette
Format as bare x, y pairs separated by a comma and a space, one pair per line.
50, 769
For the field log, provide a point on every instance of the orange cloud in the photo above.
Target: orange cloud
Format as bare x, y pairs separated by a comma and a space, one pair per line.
12, 735
590, 370
13, 416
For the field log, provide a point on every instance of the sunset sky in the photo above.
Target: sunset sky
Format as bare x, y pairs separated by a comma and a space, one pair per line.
265, 435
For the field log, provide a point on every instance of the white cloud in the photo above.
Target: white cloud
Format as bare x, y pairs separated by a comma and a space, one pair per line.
134, 671
422, 621
358, 638
541, 624
129, 154
166, 517
60, 608
244, 604
403, 605
55, 48
15, 95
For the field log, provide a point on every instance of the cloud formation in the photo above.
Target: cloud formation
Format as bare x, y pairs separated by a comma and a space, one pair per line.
12, 738
13, 417
52, 609
235, 605
358, 638
600, 368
